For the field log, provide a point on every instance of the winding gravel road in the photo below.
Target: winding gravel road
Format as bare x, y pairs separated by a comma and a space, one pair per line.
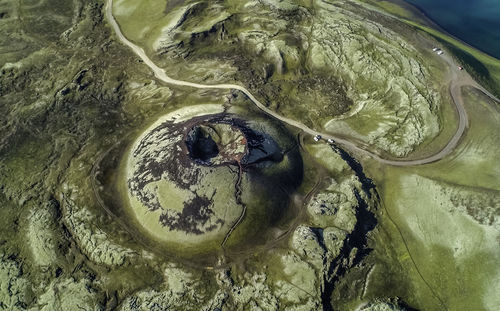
458, 79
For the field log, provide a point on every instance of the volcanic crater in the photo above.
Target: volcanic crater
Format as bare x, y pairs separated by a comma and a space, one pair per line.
212, 180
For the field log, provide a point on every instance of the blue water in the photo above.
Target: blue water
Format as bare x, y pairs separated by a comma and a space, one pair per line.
476, 22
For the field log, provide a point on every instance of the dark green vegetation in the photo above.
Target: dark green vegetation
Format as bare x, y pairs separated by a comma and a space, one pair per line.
318, 233
59, 103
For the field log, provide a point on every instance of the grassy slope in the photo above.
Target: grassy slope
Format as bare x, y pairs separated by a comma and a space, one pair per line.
484, 68
454, 281
435, 218
432, 249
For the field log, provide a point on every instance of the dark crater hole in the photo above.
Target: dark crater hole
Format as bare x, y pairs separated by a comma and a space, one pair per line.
201, 146
223, 137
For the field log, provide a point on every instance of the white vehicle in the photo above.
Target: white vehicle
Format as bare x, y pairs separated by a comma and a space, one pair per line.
440, 53
317, 138
435, 49
330, 141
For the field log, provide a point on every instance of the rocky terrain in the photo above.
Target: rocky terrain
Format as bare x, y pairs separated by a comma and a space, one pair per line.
119, 192
66, 101
332, 66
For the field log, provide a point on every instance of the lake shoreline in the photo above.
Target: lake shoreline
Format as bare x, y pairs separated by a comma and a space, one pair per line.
421, 13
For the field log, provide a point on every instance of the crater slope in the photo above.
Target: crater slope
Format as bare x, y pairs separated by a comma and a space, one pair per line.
193, 181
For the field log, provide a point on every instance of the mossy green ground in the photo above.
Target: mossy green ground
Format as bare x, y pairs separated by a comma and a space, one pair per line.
483, 67
82, 92
291, 64
441, 221
437, 242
